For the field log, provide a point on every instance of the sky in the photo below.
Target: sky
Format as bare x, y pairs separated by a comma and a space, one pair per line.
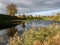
32, 6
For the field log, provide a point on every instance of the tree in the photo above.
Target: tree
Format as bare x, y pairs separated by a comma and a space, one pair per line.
11, 9
23, 16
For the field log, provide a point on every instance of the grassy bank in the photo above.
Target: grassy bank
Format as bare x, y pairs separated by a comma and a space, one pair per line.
42, 36
6, 18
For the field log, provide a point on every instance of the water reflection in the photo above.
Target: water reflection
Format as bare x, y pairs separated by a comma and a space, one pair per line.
23, 25
11, 31
14, 38
7, 34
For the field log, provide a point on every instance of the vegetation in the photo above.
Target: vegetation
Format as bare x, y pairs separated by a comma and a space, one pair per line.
30, 17
11, 9
43, 36
6, 18
54, 17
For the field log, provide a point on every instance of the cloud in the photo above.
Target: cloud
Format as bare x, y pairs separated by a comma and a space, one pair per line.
2, 8
26, 6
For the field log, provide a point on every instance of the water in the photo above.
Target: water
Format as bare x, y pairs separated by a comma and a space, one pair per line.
22, 27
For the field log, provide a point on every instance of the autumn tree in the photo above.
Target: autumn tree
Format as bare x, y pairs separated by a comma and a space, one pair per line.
11, 9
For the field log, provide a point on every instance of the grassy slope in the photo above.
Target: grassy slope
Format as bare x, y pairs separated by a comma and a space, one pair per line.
5, 21
6, 18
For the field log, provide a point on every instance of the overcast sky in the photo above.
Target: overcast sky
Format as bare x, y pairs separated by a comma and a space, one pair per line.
29, 6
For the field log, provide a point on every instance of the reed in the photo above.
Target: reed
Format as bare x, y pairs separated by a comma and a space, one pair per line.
42, 36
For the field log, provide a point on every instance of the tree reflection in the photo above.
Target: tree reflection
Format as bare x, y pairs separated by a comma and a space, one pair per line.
11, 31
23, 25
14, 39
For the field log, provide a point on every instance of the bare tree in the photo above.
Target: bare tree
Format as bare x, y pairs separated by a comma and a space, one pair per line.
11, 9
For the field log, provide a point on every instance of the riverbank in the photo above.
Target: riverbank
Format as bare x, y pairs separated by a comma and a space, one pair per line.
6, 18
54, 17
43, 36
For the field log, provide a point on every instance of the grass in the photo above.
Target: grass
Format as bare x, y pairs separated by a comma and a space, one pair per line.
5, 21
6, 18
43, 36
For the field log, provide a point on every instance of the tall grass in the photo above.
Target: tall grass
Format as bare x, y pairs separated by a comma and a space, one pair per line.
42, 36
